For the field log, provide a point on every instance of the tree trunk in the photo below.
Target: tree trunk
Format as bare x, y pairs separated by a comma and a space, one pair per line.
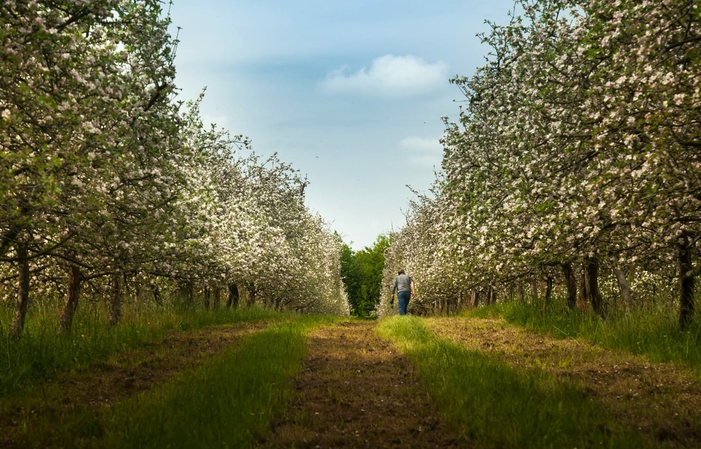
251, 295
233, 296
475, 299
156, 295
521, 292
584, 290
115, 300
548, 289
185, 293
624, 287
75, 278
571, 283
594, 293
686, 283
217, 297
207, 293
17, 326
534, 288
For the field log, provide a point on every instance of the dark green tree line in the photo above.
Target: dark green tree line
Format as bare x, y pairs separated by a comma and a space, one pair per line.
362, 275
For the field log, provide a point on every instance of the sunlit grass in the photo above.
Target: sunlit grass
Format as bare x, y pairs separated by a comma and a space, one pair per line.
653, 333
499, 406
41, 353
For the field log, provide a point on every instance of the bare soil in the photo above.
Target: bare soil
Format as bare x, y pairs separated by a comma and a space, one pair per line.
356, 390
660, 401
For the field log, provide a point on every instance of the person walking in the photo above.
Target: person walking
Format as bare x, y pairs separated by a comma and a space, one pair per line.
404, 286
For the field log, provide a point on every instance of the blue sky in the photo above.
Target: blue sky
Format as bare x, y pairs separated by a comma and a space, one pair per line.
351, 93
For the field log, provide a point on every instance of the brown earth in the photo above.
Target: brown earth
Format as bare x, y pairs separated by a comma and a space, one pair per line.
356, 390
54, 403
657, 399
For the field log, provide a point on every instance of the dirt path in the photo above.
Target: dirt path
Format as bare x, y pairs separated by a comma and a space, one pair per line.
660, 401
357, 391
105, 383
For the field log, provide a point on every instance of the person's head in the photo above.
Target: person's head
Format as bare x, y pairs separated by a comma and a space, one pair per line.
402, 271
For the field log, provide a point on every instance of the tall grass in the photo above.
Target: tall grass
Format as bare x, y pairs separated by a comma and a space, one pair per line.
41, 353
228, 402
500, 406
650, 332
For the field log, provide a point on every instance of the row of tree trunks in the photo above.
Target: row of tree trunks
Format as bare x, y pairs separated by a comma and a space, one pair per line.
75, 281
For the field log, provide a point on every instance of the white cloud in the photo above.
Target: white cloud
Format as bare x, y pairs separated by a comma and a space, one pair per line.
392, 76
422, 152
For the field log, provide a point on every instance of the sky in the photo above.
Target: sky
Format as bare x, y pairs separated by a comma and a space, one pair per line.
351, 93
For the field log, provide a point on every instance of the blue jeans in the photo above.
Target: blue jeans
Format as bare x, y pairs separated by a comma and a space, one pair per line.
404, 298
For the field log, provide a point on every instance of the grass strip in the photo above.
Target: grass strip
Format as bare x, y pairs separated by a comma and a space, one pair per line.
653, 333
228, 402
41, 353
499, 406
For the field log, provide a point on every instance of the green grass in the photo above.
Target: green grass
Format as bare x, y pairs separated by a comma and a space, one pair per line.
653, 333
41, 353
228, 402
500, 406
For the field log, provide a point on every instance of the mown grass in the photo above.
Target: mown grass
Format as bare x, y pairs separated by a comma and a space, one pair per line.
41, 353
228, 401
651, 332
499, 406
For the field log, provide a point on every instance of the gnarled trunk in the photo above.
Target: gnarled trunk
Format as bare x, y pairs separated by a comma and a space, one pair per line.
534, 288
251, 295
623, 286
584, 290
206, 297
594, 293
156, 294
571, 283
217, 297
115, 300
233, 300
548, 289
686, 283
75, 279
18, 320
185, 293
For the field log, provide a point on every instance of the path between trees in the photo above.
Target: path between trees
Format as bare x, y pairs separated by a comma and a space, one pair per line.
356, 390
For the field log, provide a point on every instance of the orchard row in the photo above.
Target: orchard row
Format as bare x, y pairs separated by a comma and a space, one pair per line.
110, 186
575, 163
